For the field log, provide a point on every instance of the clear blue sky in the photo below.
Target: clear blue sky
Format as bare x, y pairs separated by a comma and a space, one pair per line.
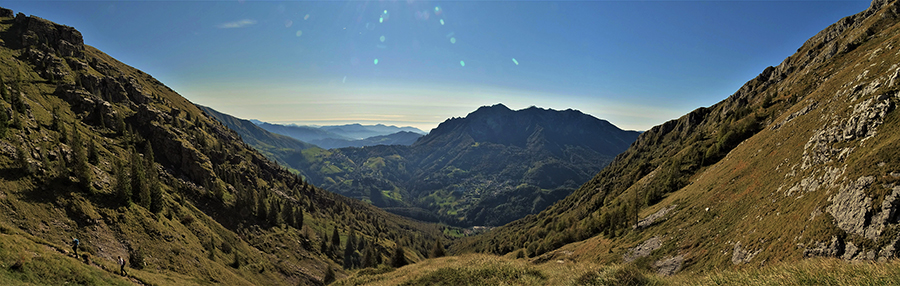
417, 63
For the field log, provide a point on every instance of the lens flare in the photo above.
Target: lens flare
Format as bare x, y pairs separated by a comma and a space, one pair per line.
442, 22
515, 61
376, 61
299, 33
306, 17
462, 63
381, 39
453, 40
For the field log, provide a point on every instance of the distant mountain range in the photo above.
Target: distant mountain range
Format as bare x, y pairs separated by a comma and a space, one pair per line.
488, 168
350, 135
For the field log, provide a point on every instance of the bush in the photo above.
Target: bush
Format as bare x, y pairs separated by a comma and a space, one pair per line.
136, 259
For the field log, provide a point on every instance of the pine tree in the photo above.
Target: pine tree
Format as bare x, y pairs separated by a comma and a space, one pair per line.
123, 183
368, 259
323, 244
23, 157
4, 94
335, 240
349, 250
398, 259
93, 154
261, 208
274, 212
438, 250
288, 213
156, 201
140, 190
82, 170
4, 122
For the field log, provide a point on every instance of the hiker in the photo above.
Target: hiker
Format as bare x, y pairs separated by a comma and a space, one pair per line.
122, 266
75, 244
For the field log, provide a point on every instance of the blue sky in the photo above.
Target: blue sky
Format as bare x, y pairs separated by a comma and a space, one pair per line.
417, 63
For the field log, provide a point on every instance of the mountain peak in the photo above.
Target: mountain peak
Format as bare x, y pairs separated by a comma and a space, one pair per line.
492, 109
534, 127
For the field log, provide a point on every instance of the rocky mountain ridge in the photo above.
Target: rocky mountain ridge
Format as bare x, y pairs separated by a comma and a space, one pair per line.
96, 150
799, 162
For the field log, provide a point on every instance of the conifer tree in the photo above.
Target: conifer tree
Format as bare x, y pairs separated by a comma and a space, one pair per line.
157, 203
288, 214
4, 94
82, 169
368, 259
335, 239
4, 122
274, 212
123, 183
398, 259
261, 208
140, 190
323, 244
438, 250
299, 221
93, 154
349, 250
23, 157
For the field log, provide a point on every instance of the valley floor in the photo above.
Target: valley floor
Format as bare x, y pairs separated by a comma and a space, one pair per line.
481, 269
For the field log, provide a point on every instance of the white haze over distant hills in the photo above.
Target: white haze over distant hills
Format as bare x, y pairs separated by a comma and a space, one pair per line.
349, 135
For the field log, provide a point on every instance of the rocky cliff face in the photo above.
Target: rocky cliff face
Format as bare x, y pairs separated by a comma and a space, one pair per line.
799, 162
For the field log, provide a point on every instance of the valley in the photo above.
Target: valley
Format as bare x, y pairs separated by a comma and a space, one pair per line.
794, 179
491, 167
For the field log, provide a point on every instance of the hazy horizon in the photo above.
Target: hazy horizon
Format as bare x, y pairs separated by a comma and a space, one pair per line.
417, 63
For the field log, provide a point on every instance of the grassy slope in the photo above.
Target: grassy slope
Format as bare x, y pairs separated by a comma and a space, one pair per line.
200, 232
482, 269
738, 197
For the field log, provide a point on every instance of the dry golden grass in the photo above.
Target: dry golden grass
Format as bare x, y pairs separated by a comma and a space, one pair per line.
482, 269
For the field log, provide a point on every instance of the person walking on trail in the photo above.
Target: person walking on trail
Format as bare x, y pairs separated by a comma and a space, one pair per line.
122, 266
75, 244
